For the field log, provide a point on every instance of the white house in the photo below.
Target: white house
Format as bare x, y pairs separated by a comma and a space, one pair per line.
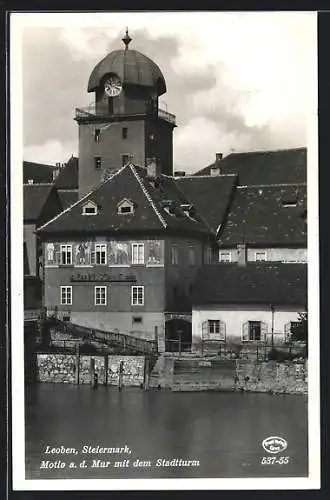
252, 303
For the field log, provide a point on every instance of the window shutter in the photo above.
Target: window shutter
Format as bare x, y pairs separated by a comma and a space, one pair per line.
93, 253
205, 329
222, 330
245, 331
263, 331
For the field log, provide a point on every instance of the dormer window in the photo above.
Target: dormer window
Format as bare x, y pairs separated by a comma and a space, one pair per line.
125, 207
89, 208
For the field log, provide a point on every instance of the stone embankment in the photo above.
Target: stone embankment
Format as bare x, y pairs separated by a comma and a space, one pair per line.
229, 375
73, 369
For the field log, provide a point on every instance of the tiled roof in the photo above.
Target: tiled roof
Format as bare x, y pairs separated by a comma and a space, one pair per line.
38, 172
265, 283
264, 167
34, 198
68, 198
209, 195
130, 182
260, 215
68, 175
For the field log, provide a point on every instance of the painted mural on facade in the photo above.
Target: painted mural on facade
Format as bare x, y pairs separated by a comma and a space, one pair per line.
119, 253
154, 253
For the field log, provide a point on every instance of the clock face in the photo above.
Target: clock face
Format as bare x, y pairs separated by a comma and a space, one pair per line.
112, 86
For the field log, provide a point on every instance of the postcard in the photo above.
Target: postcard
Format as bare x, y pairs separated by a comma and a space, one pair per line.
164, 283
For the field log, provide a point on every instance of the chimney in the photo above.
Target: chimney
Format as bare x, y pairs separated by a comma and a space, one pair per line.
153, 168
179, 173
241, 254
215, 170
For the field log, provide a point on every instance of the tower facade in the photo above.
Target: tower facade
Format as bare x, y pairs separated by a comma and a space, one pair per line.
125, 122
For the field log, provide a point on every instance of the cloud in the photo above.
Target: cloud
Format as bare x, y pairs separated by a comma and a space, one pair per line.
235, 80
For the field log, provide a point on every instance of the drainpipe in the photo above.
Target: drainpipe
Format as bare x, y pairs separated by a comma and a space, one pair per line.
273, 313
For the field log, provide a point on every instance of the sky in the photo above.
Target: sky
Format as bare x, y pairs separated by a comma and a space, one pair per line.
235, 81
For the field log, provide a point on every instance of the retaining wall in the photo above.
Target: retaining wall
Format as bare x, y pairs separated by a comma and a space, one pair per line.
73, 369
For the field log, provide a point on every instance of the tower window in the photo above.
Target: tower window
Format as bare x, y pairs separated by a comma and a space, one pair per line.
124, 132
98, 162
125, 159
110, 106
97, 133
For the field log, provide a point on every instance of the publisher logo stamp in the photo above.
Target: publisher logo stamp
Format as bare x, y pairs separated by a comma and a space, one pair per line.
274, 444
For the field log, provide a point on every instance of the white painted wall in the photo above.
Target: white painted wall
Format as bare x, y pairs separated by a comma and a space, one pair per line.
235, 316
272, 254
123, 321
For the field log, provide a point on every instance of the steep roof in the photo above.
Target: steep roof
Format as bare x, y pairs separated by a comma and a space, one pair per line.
269, 215
68, 198
209, 195
38, 172
68, 175
266, 283
264, 167
151, 200
34, 199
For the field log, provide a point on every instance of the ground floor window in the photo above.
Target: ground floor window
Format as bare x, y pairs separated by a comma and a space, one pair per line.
213, 329
137, 295
100, 295
254, 331
66, 295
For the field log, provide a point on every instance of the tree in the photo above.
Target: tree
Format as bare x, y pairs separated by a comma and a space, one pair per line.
300, 330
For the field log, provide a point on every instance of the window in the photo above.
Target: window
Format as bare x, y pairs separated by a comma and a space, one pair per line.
254, 331
137, 295
192, 256
213, 326
125, 207
208, 255
175, 255
97, 134
260, 257
110, 106
213, 329
126, 210
98, 162
66, 295
137, 320
66, 254
125, 159
100, 295
100, 253
224, 257
89, 209
124, 132
137, 253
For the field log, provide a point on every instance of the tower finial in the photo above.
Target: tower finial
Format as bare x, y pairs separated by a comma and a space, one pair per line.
127, 39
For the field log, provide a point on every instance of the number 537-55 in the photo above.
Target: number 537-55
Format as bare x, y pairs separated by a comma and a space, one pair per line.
275, 460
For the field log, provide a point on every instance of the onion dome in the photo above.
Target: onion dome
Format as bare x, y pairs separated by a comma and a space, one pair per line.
131, 66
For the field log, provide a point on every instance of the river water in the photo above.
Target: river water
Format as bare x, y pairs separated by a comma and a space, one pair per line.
220, 433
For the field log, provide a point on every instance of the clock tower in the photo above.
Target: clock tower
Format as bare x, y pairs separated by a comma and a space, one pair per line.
125, 123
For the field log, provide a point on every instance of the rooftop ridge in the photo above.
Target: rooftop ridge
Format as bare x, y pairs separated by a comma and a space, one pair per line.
147, 195
192, 176
248, 186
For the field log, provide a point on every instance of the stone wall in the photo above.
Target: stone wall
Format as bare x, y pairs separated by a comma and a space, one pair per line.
62, 368
56, 368
271, 376
239, 375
